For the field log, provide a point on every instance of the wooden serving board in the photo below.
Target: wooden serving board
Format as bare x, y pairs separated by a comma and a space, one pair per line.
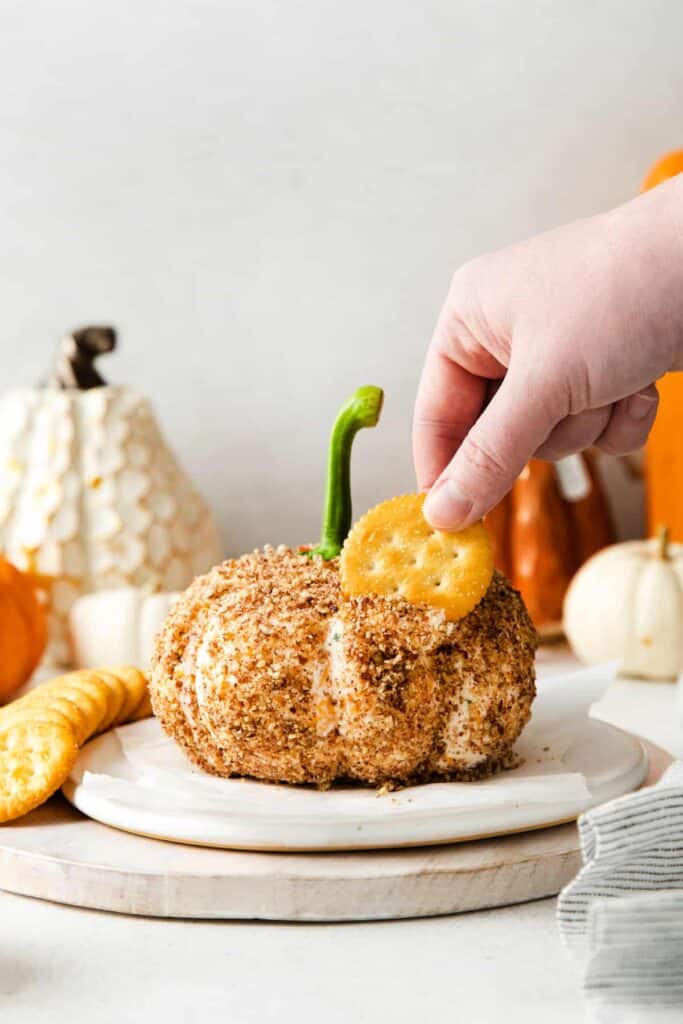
58, 854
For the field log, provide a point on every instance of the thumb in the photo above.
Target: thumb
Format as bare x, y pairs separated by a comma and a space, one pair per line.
513, 425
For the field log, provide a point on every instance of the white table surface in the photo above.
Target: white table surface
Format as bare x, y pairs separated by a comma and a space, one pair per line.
58, 963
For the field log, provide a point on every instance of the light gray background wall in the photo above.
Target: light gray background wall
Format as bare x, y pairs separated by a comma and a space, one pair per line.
268, 199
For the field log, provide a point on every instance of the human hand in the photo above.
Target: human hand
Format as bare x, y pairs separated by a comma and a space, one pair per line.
547, 347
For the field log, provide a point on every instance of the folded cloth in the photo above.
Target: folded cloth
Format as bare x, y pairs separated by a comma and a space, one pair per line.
623, 913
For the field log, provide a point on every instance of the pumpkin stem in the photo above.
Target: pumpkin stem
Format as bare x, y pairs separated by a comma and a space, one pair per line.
76, 354
663, 542
362, 409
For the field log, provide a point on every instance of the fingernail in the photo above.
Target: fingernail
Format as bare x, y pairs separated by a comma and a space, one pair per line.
640, 406
445, 507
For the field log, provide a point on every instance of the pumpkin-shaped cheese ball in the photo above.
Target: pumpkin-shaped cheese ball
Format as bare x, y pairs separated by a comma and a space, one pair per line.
268, 667
264, 668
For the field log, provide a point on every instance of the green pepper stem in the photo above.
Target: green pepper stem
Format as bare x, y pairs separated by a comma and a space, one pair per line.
362, 409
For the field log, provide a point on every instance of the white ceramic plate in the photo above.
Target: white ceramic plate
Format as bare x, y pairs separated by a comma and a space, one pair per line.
602, 762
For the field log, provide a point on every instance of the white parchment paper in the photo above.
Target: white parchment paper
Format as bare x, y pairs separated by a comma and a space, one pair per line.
142, 759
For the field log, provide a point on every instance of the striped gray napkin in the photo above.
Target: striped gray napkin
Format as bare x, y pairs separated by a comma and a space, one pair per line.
623, 913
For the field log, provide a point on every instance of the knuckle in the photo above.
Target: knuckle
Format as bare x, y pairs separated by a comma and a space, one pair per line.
626, 433
551, 451
465, 283
611, 448
462, 277
608, 447
621, 444
578, 387
478, 456
440, 428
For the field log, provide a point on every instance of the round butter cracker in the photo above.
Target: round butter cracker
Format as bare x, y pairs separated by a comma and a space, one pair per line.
117, 696
90, 697
143, 710
35, 760
135, 683
37, 706
393, 551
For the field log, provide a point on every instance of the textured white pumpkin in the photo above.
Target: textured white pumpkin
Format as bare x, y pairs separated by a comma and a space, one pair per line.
626, 604
117, 626
90, 493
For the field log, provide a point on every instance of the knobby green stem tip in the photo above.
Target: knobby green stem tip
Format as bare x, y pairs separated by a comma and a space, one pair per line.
362, 409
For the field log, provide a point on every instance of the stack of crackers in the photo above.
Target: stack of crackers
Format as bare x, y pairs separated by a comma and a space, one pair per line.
41, 732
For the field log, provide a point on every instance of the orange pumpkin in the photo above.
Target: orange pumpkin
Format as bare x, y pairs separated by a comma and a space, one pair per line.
23, 627
664, 458
668, 166
544, 530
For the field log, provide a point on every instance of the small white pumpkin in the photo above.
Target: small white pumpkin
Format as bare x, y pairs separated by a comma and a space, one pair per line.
626, 604
117, 627
90, 492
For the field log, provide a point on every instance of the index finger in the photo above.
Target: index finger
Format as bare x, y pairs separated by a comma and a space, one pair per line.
449, 401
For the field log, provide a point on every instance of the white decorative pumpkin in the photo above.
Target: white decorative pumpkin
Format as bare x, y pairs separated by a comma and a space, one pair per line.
117, 626
90, 492
626, 604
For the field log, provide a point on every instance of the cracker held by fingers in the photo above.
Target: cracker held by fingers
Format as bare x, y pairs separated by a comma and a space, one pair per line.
272, 666
392, 549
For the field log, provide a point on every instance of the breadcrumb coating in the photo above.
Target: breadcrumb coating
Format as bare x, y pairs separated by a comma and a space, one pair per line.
265, 669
